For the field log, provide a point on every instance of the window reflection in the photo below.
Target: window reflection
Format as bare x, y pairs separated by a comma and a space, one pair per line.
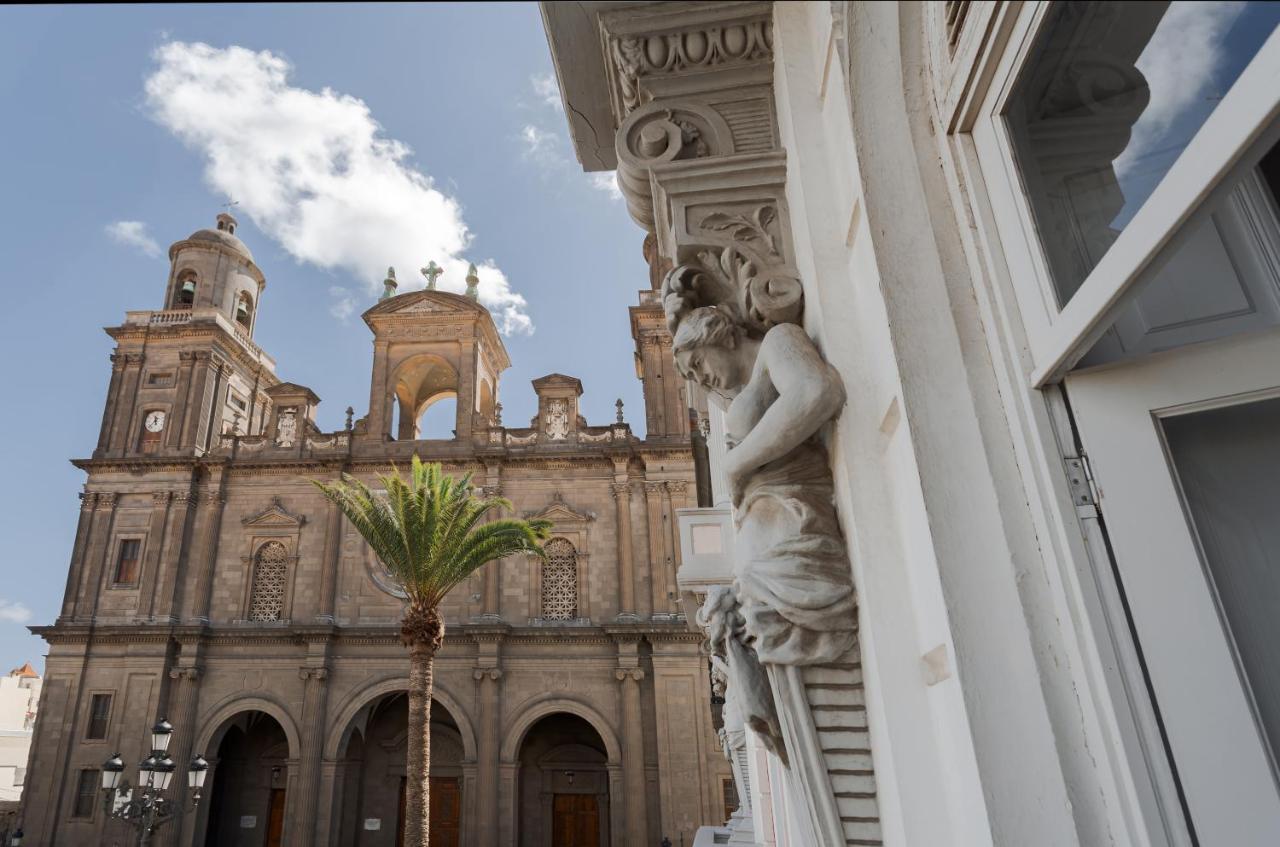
1109, 99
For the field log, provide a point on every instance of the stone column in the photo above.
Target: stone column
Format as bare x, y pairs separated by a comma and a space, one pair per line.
84, 528
176, 555
184, 697
635, 808
488, 741
314, 700
196, 390
626, 567
657, 544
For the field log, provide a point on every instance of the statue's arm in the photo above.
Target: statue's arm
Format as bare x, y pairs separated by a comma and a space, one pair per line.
809, 394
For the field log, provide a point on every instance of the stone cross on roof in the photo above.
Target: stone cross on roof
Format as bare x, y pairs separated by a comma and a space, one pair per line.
431, 271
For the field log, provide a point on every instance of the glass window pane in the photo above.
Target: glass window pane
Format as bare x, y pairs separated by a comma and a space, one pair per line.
1228, 463
1109, 98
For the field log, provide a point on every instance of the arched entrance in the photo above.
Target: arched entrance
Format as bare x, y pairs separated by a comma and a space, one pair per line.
247, 802
374, 777
563, 784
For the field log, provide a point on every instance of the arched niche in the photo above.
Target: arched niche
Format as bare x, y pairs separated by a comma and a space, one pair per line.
417, 383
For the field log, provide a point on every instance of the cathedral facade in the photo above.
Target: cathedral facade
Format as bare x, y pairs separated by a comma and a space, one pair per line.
211, 583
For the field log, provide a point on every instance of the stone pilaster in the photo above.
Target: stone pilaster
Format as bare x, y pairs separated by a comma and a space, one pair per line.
634, 799
84, 528
314, 701
626, 565
113, 399
492, 597
175, 556
208, 524
96, 555
184, 699
332, 560
657, 548
122, 438
488, 741
160, 502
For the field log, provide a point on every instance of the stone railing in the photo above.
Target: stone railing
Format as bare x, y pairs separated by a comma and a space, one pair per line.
178, 317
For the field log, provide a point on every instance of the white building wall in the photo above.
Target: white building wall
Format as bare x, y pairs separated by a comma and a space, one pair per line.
19, 697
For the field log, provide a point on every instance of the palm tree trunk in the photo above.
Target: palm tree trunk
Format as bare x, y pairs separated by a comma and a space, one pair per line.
418, 768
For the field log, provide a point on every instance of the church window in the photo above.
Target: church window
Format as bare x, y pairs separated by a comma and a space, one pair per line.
560, 581
266, 598
186, 296
244, 310
127, 561
99, 716
86, 794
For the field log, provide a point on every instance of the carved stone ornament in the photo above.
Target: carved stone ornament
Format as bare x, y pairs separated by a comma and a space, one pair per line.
650, 54
287, 428
556, 421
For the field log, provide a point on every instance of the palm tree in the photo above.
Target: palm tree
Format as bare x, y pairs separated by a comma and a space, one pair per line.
427, 531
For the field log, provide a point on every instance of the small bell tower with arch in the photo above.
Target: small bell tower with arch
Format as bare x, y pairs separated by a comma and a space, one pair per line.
431, 346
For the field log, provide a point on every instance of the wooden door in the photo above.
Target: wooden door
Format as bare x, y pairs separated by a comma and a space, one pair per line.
275, 819
1199, 574
446, 811
575, 820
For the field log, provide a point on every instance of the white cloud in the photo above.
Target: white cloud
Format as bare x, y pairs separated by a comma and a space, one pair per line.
134, 234
14, 612
541, 145
606, 181
344, 303
315, 172
1179, 63
547, 91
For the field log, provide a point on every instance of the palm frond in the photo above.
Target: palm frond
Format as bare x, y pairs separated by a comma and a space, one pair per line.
428, 528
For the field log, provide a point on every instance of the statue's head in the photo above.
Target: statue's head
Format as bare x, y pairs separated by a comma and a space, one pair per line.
709, 350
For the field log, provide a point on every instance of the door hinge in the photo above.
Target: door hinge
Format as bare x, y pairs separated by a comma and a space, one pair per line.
1084, 491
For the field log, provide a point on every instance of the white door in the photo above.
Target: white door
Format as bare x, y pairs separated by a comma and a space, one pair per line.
1185, 451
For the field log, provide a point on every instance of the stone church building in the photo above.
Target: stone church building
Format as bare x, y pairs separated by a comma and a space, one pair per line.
211, 584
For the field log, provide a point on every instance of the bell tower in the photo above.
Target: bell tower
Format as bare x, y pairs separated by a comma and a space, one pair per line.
185, 374
431, 345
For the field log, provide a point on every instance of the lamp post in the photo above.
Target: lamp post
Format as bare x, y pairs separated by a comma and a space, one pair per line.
148, 811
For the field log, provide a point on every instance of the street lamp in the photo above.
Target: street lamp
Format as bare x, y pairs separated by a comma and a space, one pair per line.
148, 810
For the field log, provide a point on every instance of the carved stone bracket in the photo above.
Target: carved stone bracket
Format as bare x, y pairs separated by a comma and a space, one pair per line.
318, 674
494, 674
622, 674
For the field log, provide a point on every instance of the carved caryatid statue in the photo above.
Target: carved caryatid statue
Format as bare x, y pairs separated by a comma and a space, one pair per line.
790, 618
792, 578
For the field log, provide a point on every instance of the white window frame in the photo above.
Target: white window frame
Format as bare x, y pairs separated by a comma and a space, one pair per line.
1234, 137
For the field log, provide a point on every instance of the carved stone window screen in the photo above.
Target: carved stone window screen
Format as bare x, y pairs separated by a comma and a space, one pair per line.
560, 581
270, 567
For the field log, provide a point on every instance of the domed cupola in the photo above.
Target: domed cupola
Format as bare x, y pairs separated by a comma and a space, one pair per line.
212, 268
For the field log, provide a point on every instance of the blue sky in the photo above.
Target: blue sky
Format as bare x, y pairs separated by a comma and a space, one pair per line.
117, 144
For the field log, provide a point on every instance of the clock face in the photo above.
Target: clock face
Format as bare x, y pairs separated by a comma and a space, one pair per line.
155, 422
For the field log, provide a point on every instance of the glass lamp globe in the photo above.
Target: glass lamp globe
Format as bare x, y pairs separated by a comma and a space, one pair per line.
197, 771
145, 768
160, 735
164, 773
112, 770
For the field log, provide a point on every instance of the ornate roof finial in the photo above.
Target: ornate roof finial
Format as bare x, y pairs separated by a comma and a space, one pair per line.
473, 282
497, 414
350, 414
619, 405
389, 285
431, 271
